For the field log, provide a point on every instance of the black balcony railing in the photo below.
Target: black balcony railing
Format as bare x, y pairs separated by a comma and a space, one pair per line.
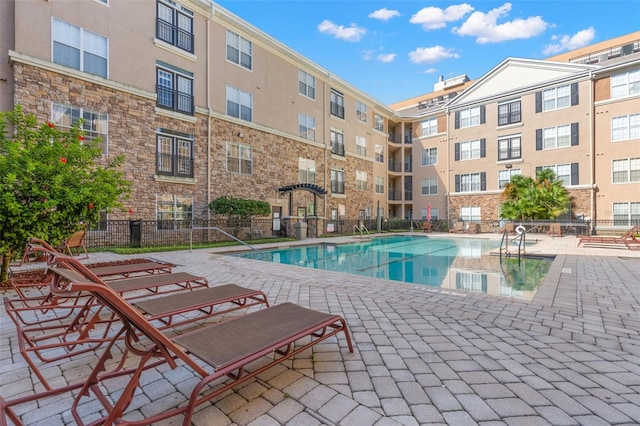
174, 165
178, 37
337, 110
175, 100
337, 187
337, 149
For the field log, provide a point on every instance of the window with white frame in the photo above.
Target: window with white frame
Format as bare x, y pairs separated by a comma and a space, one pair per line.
504, 176
239, 104
174, 89
470, 214
625, 127
361, 145
562, 172
556, 137
361, 180
94, 124
470, 117
378, 122
174, 154
434, 213
429, 186
469, 182
81, 49
307, 127
361, 111
626, 213
337, 181
306, 84
469, 150
379, 184
336, 103
625, 84
175, 25
337, 143
174, 211
239, 158
306, 170
626, 170
556, 98
239, 50
429, 157
429, 127
509, 148
509, 112
379, 151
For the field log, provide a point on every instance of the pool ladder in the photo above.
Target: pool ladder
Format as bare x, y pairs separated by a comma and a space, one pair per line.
520, 237
361, 229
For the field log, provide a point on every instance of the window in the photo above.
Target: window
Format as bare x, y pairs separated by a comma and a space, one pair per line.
307, 127
470, 117
361, 111
626, 170
239, 104
626, 213
175, 25
470, 150
94, 124
556, 137
361, 145
567, 173
337, 104
306, 170
174, 211
509, 112
429, 127
504, 176
625, 127
174, 154
429, 186
378, 122
556, 98
429, 157
471, 182
361, 180
239, 158
77, 48
337, 143
509, 148
306, 84
337, 181
379, 183
625, 84
434, 213
470, 214
175, 90
379, 151
239, 50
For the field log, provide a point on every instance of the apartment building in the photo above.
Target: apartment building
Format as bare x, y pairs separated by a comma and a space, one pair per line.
200, 103
576, 114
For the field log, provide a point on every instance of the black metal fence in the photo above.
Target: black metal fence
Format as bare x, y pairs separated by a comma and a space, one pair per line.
155, 233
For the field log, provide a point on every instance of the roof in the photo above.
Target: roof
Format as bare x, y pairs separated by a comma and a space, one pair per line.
311, 187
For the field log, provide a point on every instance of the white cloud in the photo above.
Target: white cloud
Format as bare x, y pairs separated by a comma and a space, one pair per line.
432, 18
580, 39
430, 71
367, 55
384, 14
485, 27
351, 33
386, 57
431, 54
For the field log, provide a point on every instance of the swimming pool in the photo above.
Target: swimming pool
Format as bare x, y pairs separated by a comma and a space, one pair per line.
448, 263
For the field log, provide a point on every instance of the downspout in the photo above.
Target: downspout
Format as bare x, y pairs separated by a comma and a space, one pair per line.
592, 152
327, 172
209, 113
448, 174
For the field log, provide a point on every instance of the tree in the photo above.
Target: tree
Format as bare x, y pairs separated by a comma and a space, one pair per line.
51, 183
543, 198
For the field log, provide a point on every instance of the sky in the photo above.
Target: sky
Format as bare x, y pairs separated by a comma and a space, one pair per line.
397, 49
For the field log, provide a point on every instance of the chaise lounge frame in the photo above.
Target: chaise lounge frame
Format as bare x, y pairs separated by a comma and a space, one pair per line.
627, 240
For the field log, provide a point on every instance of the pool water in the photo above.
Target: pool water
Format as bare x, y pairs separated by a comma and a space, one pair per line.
448, 263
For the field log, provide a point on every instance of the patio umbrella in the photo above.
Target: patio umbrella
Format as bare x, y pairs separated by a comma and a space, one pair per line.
429, 211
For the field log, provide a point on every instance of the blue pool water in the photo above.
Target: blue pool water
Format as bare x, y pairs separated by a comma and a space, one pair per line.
448, 263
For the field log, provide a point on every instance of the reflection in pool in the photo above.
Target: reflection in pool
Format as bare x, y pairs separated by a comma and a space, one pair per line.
448, 263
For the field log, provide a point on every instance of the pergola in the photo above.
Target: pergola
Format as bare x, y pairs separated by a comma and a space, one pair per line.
310, 187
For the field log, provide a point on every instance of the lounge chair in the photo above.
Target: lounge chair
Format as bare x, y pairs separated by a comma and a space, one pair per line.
555, 230
224, 354
458, 227
510, 228
472, 228
74, 245
427, 226
627, 240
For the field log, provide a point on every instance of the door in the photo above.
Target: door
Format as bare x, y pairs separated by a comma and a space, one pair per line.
276, 213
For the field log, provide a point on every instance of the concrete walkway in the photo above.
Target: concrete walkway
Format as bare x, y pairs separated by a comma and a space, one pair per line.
571, 356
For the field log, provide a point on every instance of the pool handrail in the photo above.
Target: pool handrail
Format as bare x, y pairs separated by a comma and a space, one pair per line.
215, 228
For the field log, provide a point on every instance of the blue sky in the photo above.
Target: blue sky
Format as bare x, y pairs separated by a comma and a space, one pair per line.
396, 49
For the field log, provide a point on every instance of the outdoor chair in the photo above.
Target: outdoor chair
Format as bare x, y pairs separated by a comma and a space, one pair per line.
222, 355
555, 230
627, 240
427, 226
74, 245
472, 228
458, 227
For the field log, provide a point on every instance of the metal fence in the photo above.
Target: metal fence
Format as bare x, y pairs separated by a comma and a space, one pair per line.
155, 233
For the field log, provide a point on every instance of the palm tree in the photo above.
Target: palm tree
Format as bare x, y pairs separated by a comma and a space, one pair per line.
527, 199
